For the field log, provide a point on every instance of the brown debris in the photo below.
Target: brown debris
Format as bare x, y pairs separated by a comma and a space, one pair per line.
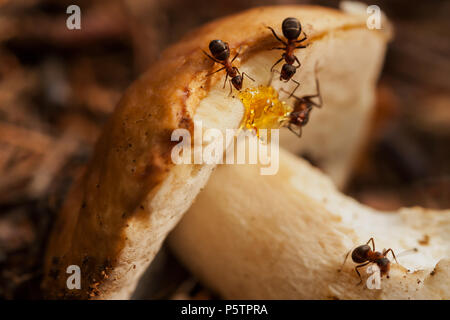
425, 240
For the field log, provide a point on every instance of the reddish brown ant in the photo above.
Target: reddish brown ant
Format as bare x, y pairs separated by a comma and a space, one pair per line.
292, 29
299, 117
221, 54
364, 255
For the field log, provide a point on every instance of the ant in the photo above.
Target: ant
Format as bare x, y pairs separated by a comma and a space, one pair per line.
299, 117
221, 54
292, 29
365, 255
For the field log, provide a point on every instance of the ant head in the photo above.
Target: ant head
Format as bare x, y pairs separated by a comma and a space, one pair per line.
219, 50
299, 118
384, 265
287, 71
304, 116
359, 255
291, 28
237, 82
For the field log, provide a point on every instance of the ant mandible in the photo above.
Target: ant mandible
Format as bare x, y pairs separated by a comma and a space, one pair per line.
365, 255
292, 29
299, 117
221, 54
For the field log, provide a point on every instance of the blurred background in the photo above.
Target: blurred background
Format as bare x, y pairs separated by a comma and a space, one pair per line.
57, 87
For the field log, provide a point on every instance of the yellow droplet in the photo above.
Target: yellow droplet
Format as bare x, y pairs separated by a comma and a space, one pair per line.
263, 109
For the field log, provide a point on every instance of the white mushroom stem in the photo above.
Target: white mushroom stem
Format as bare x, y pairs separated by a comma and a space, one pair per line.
285, 236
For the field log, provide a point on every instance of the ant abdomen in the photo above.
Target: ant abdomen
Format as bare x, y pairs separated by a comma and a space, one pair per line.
359, 255
291, 28
237, 82
287, 71
219, 50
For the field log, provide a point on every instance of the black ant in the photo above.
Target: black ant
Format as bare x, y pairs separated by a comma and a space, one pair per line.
292, 29
221, 54
299, 117
365, 255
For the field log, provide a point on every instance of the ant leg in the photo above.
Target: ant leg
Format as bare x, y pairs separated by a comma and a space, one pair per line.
309, 100
298, 61
356, 269
306, 99
296, 87
393, 254
277, 48
317, 95
345, 259
373, 243
298, 134
303, 39
301, 47
212, 58
231, 89
276, 71
281, 59
244, 74
237, 53
276, 36
293, 95
285, 91
211, 73
271, 76
225, 82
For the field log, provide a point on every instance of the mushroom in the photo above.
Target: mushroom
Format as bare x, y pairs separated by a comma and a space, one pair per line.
117, 215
